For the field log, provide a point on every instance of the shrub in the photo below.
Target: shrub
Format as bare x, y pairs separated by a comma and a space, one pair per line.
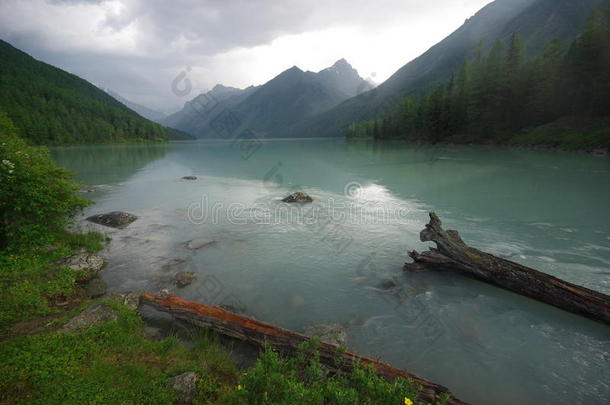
36, 197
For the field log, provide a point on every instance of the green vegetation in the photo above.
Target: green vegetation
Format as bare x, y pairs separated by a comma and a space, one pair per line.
561, 98
53, 107
109, 363
303, 380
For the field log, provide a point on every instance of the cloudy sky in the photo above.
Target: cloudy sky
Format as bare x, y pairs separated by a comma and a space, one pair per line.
138, 48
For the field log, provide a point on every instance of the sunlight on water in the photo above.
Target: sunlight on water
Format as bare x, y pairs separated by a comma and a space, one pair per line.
295, 265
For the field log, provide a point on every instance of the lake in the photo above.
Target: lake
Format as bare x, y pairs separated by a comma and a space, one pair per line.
297, 265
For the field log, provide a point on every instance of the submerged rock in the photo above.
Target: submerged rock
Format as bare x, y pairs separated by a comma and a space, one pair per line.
189, 178
89, 263
297, 197
115, 219
96, 287
95, 314
197, 244
184, 278
332, 333
185, 385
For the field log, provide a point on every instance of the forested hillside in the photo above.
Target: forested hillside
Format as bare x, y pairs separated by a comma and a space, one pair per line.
536, 21
561, 98
53, 107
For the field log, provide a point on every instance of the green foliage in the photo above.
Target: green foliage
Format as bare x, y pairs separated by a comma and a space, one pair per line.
30, 284
497, 96
108, 363
302, 379
36, 197
53, 107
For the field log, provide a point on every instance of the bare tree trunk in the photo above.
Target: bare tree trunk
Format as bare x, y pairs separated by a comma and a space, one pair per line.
452, 254
286, 341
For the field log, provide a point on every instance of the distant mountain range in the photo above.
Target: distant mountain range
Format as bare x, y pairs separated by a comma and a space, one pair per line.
149, 113
52, 107
537, 21
269, 109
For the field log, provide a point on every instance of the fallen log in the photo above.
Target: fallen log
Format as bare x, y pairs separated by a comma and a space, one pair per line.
452, 254
283, 340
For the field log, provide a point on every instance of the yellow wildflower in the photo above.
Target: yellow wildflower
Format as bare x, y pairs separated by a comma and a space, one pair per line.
408, 401
239, 387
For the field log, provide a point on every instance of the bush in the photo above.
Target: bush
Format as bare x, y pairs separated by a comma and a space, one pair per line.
36, 197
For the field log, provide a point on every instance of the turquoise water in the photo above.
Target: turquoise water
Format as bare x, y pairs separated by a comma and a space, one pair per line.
299, 265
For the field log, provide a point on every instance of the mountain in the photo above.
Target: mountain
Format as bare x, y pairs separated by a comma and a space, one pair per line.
271, 109
148, 113
51, 107
537, 21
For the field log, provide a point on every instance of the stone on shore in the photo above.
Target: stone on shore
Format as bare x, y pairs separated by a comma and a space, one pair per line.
115, 219
95, 314
87, 263
185, 386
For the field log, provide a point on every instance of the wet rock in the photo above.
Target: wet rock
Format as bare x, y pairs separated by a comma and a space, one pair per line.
297, 197
197, 244
600, 152
189, 178
184, 278
185, 386
332, 333
90, 264
95, 314
387, 284
115, 219
96, 287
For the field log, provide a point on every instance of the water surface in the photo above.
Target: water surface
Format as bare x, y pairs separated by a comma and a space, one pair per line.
299, 265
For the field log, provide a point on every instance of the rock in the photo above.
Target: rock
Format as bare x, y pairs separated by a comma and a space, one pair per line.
197, 244
189, 178
96, 287
115, 219
387, 284
332, 333
184, 278
95, 314
185, 385
298, 197
153, 332
89, 263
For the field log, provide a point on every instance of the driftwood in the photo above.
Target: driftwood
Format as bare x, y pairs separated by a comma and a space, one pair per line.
283, 340
454, 255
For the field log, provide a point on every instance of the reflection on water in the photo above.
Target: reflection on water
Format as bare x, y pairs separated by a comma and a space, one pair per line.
332, 260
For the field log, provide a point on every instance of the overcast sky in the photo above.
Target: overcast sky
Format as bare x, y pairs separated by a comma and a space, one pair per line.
138, 47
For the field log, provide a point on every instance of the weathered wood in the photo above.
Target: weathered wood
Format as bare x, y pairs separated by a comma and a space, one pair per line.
452, 254
283, 340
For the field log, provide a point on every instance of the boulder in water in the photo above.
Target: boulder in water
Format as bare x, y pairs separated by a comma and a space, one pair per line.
184, 278
115, 219
189, 178
297, 197
197, 244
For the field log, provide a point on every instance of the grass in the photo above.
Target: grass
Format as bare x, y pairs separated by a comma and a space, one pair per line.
109, 363
31, 285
